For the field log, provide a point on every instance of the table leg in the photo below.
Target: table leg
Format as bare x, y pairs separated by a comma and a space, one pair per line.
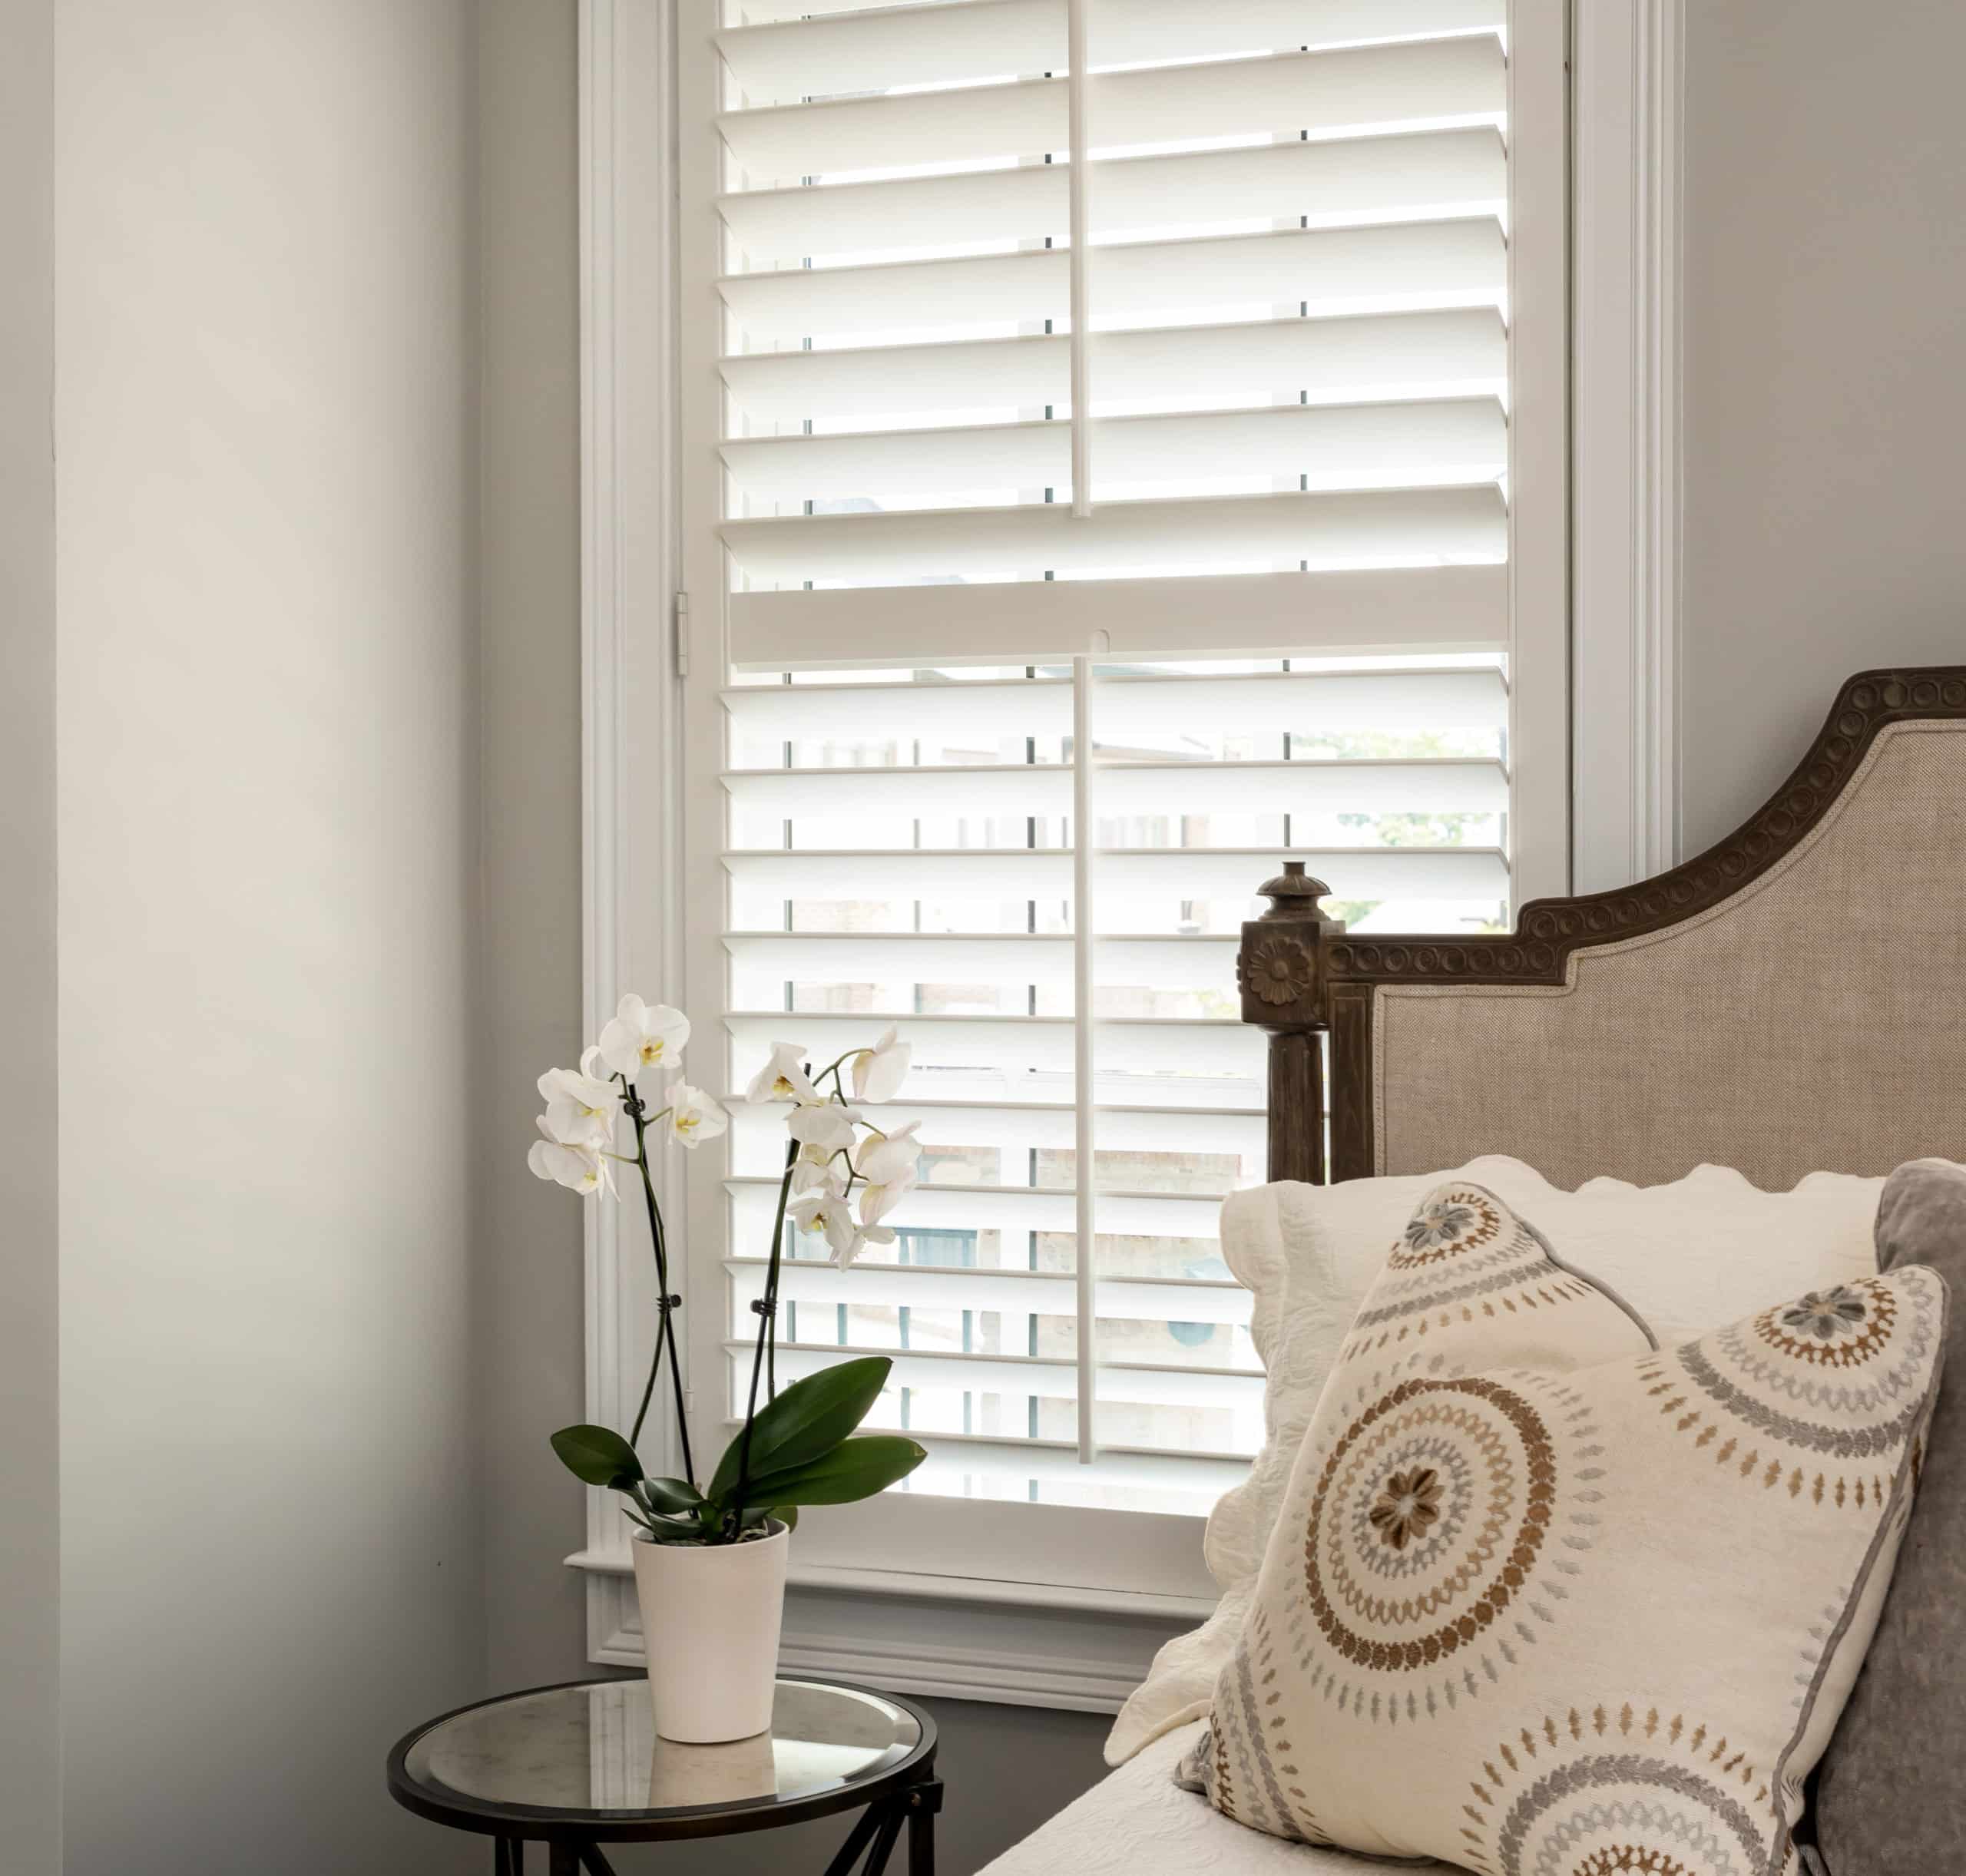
893, 1817
508, 1856
563, 1859
923, 1802
857, 1841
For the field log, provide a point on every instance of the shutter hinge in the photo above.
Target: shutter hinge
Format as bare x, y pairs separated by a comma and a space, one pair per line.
682, 629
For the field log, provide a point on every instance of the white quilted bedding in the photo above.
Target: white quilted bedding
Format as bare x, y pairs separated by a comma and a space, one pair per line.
1135, 1821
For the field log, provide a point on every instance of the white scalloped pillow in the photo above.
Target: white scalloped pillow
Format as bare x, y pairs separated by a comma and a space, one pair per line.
1690, 1256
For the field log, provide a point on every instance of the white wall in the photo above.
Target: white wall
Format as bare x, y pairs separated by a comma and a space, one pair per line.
30, 1523
1825, 399
267, 819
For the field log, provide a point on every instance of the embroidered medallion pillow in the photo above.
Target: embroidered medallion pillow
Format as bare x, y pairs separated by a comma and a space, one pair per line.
1688, 1256
1589, 1611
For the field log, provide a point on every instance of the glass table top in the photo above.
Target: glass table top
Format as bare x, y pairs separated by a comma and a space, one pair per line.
594, 1747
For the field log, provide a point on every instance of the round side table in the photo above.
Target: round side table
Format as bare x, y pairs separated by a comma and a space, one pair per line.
579, 1765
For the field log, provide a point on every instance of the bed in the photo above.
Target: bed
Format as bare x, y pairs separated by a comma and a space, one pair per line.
1787, 1001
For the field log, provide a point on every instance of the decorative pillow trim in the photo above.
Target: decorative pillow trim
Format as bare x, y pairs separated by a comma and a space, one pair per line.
1252, 1240
1598, 1284
1891, 1529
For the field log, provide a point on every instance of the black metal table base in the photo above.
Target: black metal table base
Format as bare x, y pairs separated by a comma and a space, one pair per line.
881, 1823
872, 1838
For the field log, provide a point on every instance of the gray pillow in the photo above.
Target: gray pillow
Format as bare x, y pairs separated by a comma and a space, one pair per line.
1890, 1800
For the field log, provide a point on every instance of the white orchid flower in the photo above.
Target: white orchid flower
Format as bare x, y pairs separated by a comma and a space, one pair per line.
877, 1201
783, 1078
879, 1072
826, 1127
822, 1212
883, 1159
579, 1106
642, 1035
816, 1171
693, 1115
892, 1178
578, 1165
867, 1235
830, 1216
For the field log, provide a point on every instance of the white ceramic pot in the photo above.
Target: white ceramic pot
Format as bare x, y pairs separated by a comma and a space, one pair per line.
710, 1620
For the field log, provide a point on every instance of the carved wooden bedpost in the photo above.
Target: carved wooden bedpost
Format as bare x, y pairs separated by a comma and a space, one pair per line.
1280, 971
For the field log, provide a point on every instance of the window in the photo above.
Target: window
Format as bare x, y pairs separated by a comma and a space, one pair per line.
1111, 460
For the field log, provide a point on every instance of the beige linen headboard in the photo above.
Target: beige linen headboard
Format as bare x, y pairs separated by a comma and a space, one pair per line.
1794, 997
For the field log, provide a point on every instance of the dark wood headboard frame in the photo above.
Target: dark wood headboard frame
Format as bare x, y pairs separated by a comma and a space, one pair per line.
1303, 978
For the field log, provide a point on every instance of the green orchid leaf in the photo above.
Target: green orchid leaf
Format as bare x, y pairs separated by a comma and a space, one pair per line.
673, 1531
597, 1456
854, 1469
668, 1494
809, 1418
787, 1515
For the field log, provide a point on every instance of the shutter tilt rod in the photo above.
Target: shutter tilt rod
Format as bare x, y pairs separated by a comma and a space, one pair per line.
1077, 180
1083, 1107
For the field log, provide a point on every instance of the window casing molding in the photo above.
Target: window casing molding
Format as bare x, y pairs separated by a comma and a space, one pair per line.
629, 785
651, 837
1628, 80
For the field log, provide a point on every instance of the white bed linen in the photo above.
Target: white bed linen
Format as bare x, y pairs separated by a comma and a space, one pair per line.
1136, 1821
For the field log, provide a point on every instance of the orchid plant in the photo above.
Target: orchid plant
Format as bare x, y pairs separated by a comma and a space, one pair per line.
842, 1175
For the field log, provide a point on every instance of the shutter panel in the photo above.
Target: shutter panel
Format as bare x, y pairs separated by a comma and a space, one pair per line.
1027, 695
912, 858
1292, 269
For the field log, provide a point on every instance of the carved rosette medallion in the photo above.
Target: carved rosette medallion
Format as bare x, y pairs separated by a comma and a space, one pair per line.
1277, 970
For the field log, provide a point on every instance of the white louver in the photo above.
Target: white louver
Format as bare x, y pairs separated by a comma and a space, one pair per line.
1094, 533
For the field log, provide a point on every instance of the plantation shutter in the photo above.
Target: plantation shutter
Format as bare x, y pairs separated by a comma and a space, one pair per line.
905, 848
1114, 453
1291, 345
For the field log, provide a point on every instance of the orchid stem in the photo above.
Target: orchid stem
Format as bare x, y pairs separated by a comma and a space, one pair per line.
648, 1391
666, 1332
767, 1350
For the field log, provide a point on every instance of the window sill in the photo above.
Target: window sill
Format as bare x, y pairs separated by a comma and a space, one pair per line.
922, 1586
958, 1638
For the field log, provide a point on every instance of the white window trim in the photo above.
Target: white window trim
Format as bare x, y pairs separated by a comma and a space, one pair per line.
651, 842
1628, 81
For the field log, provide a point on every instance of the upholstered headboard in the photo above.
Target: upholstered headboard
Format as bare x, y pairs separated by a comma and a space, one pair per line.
1794, 997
